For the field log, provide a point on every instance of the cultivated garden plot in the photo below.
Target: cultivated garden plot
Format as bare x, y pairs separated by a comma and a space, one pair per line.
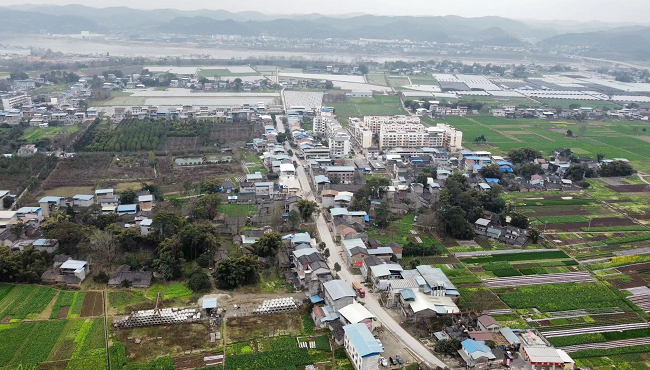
71, 344
20, 302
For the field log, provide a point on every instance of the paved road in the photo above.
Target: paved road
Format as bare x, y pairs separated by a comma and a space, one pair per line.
371, 301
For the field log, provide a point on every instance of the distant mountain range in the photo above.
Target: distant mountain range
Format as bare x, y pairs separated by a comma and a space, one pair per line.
630, 41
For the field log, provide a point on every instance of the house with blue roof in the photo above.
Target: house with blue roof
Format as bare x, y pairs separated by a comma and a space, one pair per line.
476, 352
49, 203
82, 200
127, 209
362, 348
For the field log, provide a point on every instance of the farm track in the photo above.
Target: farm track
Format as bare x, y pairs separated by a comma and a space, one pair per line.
526, 280
597, 329
501, 251
608, 345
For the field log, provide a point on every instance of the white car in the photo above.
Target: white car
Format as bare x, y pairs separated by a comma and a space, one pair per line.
383, 362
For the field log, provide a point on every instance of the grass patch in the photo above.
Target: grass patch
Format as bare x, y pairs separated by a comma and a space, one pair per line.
530, 256
562, 219
177, 291
238, 210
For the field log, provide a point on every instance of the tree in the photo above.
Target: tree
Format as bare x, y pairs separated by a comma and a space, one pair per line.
377, 185
17, 229
600, 157
169, 259
492, 170
69, 234
281, 138
447, 346
519, 220
307, 209
575, 172
525, 154
83, 105
211, 185
101, 277
294, 219
480, 139
197, 239
125, 283
267, 245
7, 202
25, 266
528, 169
382, 215
233, 272
103, 246
534, 235
363, 69
329, 85
128, 196
166, 224
326, 253
238, 83
569, 133
337, 267
616, 168
206, 207
129, 240
199, 281
20, 75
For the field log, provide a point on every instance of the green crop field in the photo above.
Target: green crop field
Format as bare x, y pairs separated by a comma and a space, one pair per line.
506, 257
238, 210
19, 302
25, 345
377, 105
563, 297
562, 219
598, 337
614, 139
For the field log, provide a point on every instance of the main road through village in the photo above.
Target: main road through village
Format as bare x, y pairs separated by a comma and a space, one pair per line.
371, 301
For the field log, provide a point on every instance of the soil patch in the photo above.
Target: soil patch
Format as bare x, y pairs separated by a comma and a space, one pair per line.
93, 304
639, 266
639, 188
637, 280
63, 312
550, 212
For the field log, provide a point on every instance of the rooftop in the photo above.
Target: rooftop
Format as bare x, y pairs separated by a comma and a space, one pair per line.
362, 339
338, 289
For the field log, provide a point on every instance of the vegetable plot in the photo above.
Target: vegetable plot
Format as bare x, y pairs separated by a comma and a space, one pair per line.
563, 297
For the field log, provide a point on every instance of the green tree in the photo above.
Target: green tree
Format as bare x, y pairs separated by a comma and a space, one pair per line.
569, 133
294, 219
534, 235
382, 215
206, 207
519, 220
166, 224
575, 172
129, 240
199, 281
233, 272
337, 267
326, 253
447, 346
7, 202
329, 85
128, 196
281, 138
525, 154
197, 239
307, 209
267, 245
616, 168
211, 185
492, 171
169, 259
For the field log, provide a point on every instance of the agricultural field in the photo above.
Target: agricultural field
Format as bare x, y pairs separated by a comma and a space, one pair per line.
119, 98
376, 79
612, 138
566, 103
562, 297
377, 105
68, 343
238, 210
33, 134
397, 81
20, 302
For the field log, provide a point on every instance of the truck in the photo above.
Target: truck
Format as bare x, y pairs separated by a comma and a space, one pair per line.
359, 289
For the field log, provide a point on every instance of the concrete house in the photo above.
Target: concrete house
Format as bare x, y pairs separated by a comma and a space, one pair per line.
145, 202
338, 294
487, 323
362, 348
49, 204
81, 200
30, 213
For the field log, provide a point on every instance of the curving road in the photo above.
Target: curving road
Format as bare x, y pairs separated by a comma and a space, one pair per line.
371, 301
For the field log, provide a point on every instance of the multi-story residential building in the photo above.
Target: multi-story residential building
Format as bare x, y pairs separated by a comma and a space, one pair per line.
344, 174
12, 101
361, 134
404, 131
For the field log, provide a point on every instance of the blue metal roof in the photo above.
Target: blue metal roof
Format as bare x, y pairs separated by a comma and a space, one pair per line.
490, 179
50, 200
472, 346
478, 167
127, 208
315, 299
407, 294
83, 197
363, 340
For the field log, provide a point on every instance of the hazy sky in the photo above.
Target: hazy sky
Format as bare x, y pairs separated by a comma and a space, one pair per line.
582, 10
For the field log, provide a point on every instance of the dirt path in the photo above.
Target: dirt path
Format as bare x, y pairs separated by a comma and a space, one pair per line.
641, 174
540, 135
45, 314
108, 356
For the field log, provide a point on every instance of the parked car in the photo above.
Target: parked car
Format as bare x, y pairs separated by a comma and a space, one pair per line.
383, 361
399, 359
392, 361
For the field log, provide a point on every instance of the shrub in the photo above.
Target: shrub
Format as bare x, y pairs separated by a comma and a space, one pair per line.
101, 277
199, 281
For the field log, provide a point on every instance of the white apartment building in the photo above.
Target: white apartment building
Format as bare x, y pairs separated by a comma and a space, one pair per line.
338, 138
10, 102
404, 131
361, 134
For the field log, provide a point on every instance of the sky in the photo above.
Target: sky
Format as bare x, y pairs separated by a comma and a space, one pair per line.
624, 11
